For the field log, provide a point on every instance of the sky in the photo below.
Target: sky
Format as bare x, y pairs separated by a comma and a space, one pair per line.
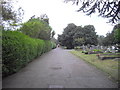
61, 14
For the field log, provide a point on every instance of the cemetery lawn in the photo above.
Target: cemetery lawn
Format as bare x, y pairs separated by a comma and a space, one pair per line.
110, 66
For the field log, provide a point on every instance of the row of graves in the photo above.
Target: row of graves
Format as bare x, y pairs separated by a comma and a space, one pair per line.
103, 52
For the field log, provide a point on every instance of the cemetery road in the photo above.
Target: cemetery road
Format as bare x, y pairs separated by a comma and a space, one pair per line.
58, 69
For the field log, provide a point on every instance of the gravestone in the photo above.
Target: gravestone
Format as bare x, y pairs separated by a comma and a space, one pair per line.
83, 47
113, 49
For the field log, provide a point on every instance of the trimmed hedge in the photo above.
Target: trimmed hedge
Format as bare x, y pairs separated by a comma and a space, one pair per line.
19, 49
53, 45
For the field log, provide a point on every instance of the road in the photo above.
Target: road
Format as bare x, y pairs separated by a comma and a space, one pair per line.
58, 69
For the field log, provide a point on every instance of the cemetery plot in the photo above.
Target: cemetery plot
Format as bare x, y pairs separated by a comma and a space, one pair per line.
110, 66
94, 51
101, 50
108, 56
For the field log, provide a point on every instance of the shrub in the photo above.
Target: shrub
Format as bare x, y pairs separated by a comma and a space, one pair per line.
19, 49
84, 51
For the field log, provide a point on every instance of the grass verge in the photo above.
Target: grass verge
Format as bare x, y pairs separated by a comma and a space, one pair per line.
109, 66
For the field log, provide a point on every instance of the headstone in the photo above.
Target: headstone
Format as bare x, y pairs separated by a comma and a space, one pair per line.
113, 49
83, 47
101, 47
92, 47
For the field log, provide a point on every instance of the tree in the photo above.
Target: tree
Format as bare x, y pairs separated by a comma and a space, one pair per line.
117, 35
45, 18
36, 28
9, 15
105, 9
77, 35
79, 41
100, 40
116, 30
109, 39
53, 33
66, 39
90, 35
86, 33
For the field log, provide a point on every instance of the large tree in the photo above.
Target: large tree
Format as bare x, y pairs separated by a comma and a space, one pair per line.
66, 39
76, 36
37, 28
90, 35
116, 31
101, 40
86, 35
105, 8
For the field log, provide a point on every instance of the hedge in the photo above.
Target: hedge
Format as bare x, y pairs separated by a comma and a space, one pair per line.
53, 45
19, 49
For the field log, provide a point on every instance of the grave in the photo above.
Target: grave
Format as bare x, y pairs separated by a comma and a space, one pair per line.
108, 56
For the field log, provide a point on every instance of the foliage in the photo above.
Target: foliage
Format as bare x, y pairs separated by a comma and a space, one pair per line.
117, 35
90, 35
109, 66
36, 28
76, 36
66, 39
45, 18
54, 40
79, 41
107, 9
100, 40
9, 14
53, 45
53, 33
111, 38
19, 49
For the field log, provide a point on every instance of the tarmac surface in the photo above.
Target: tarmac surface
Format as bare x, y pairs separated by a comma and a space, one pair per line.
58, 69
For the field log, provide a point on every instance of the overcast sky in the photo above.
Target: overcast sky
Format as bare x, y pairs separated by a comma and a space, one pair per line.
61, 14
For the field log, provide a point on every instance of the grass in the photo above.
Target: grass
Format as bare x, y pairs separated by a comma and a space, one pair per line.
109, 66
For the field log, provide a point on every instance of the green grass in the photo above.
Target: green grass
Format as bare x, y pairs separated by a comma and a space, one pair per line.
109, 66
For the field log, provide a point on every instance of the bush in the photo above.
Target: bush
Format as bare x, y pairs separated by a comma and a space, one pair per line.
19, 49
86, 52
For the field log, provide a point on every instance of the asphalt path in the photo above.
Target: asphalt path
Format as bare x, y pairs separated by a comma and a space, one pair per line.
58, 68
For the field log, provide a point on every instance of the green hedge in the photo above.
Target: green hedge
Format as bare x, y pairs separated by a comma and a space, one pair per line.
19, 49
53, 45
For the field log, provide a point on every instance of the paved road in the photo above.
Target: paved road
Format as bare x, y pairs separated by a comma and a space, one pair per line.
58, 68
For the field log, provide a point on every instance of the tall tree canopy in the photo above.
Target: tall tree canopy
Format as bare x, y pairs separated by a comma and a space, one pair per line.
66, 39
105, 8
77, 35
37, 28
116, 30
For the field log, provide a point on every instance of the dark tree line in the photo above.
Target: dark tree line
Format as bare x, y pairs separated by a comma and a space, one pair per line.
77, 36
111, 38
105, 8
